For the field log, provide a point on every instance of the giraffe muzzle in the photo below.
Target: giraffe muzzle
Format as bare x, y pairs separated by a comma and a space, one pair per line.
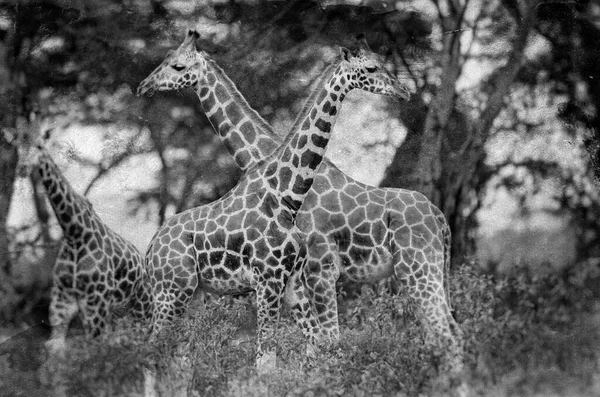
23, 171
402, 92
143, 89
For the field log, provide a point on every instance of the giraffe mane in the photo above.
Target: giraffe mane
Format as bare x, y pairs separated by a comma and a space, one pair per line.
81, 200
310, 100
255, 117
308, 103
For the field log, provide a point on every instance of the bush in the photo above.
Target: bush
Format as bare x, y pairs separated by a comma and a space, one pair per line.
524, 335
522, 327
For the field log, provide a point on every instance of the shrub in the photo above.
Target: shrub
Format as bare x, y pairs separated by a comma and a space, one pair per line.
525, 326
524, 335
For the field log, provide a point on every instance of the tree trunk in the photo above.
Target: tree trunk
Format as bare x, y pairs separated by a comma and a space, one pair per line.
419, 162
9, 96
8, 163
401, 172
163, 193
592, 145
429, 165
497, 90
450, 149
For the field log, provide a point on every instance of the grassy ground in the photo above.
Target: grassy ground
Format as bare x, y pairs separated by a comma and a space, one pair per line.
523, 337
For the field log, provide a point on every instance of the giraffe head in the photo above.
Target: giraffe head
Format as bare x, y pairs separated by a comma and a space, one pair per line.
181, 68
30, 145
365, 70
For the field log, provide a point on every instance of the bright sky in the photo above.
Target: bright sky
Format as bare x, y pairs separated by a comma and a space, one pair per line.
109, 196
362, 120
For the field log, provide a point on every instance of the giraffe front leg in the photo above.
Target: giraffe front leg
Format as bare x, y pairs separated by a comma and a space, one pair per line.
166, 306
142, 301
302, 311
320, 275
269, 295
171, 284
95, 313
63, 308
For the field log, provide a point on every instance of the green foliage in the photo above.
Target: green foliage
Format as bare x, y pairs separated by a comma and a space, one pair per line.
107, 365
524, 335
522, 327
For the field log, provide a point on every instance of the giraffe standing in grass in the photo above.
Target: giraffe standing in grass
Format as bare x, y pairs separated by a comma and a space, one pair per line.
248, 239
98, 274
360, 233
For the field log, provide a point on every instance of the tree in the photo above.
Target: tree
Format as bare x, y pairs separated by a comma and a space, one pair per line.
77, 65
52, 59
572, 63
444, 153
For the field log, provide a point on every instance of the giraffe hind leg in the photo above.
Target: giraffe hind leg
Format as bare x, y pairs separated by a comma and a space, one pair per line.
320, 278
426, 291
170, 295
302, 311
269, 297
95, 313
63, 309
168, 303
141, 305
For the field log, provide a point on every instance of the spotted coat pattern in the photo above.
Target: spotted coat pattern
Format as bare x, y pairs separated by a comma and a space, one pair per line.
358, 232
98, 274
248, 239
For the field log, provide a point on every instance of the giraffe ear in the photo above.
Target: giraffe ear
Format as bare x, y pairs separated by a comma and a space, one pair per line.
11, 136
345, 53
25, 130
193, 34
361, 41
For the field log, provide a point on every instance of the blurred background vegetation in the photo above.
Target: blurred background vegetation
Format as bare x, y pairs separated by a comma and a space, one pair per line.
501, 132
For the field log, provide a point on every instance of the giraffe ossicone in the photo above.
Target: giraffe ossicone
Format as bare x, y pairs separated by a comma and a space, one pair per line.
98, 274
248, 239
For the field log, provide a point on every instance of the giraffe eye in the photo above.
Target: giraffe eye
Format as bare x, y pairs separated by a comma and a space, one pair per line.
178, 68
371, 69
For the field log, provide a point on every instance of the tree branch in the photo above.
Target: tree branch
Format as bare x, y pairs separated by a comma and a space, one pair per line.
163, 196
429, 163
120, 158
500, 83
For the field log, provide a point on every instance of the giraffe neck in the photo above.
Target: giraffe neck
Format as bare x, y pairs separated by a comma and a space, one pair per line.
294, 166
247, 136
70, 208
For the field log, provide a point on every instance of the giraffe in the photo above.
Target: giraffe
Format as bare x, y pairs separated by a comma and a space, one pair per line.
364, 233
97, 274
247, 240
